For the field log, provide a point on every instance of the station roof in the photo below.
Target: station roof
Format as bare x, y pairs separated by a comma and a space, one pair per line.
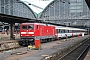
14, 19
88, 3
37, 5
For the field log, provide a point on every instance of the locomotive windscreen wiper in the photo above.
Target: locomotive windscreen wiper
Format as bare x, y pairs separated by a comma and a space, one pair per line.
31, 27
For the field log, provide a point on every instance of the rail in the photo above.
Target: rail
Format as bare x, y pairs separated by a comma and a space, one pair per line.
76, 53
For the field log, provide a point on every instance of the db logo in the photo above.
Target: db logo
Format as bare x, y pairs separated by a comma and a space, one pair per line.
26, 32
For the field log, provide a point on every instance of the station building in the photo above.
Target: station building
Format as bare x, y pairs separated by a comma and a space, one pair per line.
66, 12
15, 8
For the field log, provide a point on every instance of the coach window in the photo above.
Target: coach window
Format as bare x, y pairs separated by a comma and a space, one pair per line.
24, 27
64, 31
57, 30
30, 27
67, 31
61, 31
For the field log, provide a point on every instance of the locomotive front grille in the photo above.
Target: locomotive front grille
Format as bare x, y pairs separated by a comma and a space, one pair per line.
25, 41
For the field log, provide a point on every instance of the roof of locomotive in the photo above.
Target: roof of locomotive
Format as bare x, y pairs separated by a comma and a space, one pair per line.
33, 23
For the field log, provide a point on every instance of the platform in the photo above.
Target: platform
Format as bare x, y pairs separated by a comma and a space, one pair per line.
5, 37
47, 49
87, 56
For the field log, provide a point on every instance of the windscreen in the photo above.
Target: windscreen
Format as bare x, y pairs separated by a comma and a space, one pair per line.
27, 27
30, 27
24, 27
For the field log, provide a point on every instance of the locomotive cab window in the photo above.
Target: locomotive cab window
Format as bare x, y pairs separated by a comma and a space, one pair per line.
30, 27
37, 27
24, 27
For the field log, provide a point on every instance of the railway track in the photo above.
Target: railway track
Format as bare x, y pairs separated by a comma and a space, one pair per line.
77, 53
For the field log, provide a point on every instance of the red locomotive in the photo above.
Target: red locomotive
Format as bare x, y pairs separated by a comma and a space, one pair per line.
29, 32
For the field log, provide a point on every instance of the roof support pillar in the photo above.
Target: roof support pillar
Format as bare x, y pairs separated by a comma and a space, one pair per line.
12, 31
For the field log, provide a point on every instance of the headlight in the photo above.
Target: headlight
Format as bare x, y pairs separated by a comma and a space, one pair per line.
55, 34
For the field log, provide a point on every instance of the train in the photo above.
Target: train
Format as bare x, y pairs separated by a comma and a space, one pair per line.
69, 31
29, 32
